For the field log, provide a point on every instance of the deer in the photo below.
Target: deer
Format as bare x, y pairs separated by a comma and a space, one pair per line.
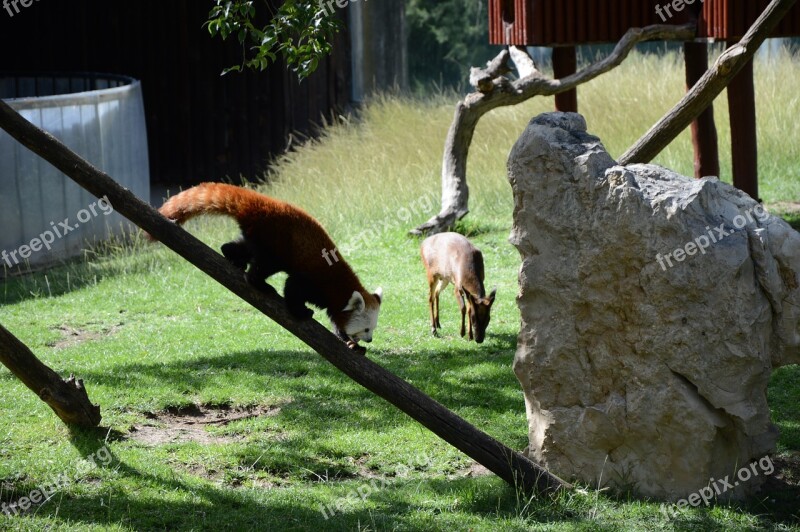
451, 258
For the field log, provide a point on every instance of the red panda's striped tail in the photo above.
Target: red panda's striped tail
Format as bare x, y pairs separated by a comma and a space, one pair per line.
209, 198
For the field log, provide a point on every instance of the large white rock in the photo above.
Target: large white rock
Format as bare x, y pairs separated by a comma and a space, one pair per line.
645, 368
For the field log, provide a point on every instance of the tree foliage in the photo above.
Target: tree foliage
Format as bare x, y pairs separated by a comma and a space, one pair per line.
446, 38
299, 31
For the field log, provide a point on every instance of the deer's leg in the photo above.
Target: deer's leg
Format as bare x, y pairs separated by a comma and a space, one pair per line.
438, 311
462, 306
432, 298
470, 321
469, 306
441, 284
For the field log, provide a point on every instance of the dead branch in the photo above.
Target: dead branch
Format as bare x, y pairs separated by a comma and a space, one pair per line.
523, 61
481, 78
455, 192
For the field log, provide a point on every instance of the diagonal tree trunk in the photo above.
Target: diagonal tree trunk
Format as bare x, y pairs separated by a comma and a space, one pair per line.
513, 467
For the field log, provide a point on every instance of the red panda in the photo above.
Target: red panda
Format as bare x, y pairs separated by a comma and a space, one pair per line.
279, 237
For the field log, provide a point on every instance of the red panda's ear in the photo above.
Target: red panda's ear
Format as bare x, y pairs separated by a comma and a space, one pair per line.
355, 303
379, 295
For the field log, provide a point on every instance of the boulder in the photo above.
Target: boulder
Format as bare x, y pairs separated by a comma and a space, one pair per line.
654, 308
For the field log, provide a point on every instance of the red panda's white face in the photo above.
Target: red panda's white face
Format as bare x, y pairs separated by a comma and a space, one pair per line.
363, 317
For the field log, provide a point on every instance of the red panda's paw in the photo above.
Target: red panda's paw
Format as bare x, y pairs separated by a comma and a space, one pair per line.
357, 349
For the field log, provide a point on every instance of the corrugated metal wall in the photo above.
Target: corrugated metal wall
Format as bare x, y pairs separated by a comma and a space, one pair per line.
729, 19
106, 126
567, 22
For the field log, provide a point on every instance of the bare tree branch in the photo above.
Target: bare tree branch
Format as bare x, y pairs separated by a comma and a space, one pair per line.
481, 78
523, 61
455, 192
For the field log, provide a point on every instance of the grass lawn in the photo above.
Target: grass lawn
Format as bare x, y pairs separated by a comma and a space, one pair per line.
215, 418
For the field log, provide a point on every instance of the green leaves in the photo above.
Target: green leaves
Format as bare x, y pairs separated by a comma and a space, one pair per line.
446, 37
300, 32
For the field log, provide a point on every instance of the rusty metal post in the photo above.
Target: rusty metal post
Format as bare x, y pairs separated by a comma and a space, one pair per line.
704, 130
565, 63
744, 140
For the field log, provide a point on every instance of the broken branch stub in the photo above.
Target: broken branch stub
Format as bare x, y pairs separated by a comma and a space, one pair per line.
67, 398
482, 78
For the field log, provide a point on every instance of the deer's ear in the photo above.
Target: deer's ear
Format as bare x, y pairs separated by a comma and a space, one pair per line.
379, 295
355, 303
491, 296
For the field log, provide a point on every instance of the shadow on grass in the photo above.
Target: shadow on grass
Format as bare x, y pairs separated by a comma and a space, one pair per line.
58, 278
187, 503
190, 503
471, 228
306, 377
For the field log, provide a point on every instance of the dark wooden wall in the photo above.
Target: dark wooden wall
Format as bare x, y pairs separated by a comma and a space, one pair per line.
200, 126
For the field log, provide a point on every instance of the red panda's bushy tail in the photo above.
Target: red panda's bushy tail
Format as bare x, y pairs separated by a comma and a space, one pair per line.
209, 198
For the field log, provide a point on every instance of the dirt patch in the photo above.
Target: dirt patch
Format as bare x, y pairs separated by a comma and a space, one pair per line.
364, 470
189, 424
73, 336
474, 470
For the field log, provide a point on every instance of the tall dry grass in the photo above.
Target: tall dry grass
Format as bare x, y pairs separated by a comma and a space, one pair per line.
365, 167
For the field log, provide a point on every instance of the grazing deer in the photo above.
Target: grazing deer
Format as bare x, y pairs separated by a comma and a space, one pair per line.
451, 258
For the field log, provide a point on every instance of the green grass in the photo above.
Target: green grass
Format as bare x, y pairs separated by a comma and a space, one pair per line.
149, 333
